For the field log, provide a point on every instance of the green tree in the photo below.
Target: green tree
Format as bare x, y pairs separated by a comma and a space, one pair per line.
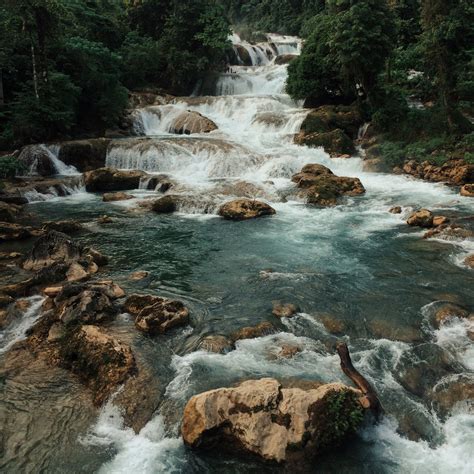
447, 41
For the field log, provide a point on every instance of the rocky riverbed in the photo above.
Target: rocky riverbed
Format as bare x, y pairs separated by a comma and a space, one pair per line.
180, 293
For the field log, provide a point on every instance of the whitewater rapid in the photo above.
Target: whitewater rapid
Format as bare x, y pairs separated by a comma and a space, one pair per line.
254, 143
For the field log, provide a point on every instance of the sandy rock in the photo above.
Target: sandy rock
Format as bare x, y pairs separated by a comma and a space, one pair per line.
190, 122
447, 312
86, 304
286, 310
161, 317
440, 220
287, 351
332, 325
77, 272
252, 332
137, 276
105, 220
9, 255
243, 209
450, 232
112, 197
110, 179
217, 344
421, 218
469, 261
276, 424
455, 172
135, 303
452, 391
467, 190
395, 210
52, 291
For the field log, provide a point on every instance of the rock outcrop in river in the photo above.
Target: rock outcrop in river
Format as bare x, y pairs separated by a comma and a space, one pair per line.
320, 186
263, 418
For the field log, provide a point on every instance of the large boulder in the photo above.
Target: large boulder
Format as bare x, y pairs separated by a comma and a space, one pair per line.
100, 360
335, 142
110, 179
161, 316
36, 160
421, 218
252, 332
190, 122
331, 117
320, 186
154, 314
51, 248
243, 209
165, 205
84, 155
278, 424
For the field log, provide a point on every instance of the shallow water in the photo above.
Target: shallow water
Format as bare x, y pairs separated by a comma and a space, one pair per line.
355, 264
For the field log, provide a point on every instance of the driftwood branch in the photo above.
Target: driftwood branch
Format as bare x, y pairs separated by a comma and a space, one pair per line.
359, 380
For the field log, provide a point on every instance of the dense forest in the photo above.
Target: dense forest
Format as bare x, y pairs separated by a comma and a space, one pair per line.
66, 65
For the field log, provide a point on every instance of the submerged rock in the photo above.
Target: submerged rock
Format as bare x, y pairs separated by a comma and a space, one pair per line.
217, 344
243, 209
395, 210
284, 310
449, 311
421, 218
120, 196
155, 315
110, 179
252, 332
320, 186
279, 424
161, 317
190, 122
469, 261
467, 190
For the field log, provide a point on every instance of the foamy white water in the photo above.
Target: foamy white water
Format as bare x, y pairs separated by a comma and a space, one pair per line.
254, 143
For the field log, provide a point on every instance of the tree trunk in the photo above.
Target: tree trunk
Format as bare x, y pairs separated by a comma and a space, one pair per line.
359, 380
35, 74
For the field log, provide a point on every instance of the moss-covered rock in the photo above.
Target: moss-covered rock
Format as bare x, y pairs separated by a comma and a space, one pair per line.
334, 142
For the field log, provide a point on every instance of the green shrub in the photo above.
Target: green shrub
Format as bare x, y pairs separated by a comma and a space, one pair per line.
10, 167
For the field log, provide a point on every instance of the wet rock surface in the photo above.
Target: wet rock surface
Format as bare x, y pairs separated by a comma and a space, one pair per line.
275, 423
243, 209
110, 179
190, 122
321, 187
